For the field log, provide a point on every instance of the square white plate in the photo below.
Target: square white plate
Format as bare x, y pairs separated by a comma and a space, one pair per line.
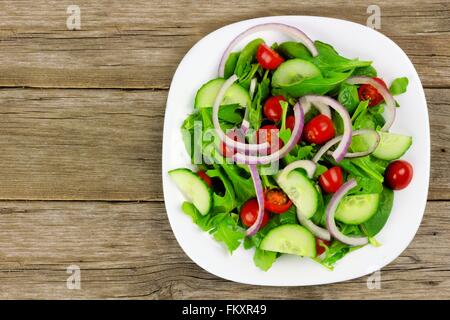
351, 40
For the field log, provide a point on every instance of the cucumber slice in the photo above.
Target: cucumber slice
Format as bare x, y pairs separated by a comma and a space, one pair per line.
208, 92
358, 208
292, 239
392, 146
293, 71
193, 188
301, 191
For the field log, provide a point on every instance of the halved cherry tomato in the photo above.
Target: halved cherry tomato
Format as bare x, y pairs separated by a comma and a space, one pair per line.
290, 123
276, 201
205, 177
249, 213
228, 151
367, 92
272, 108
264, 134
398, 174
268, 58
319, 130
320, 246
331, 180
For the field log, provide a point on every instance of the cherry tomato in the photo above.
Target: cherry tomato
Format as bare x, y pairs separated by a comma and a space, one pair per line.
272, 108
264, 134
276, 201
331, 180
398, 174
319, 130
319, 245
268, 58
249, 213
290, 123
367, 92
228, 151
205, 177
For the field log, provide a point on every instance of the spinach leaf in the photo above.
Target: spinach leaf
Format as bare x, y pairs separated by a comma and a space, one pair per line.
241, 181
348, 97
245, 81
292, 49
399, 85
222, 226
335, 252
230, 65
224, 201
368, 71
377, 222
264, 259
246, 58
262, 92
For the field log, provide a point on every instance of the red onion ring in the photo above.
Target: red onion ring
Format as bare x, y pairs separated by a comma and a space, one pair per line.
319, 232
239, 146
252, 88
389, 116
323, 108
307, 165
331, 210
335, 140
265, 159
294, 32
260, 197
346, 139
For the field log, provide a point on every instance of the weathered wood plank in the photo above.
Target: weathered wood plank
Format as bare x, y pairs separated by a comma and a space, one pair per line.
105, 144
138, 44
127, 250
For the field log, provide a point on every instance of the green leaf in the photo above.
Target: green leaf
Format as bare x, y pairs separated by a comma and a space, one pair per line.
241, 181
291, 50
262, 92
362, 106
264, 259
335, 252
348, 97
399, 86
226, 201
246, 58
230, 65
377, 222
368, 71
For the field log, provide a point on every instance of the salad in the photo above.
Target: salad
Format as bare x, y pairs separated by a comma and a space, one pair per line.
292, 150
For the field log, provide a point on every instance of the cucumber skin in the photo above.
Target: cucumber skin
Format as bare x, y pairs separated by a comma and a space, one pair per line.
200, 180
354, 221
201, 92
385, 152
278, 74
309, 248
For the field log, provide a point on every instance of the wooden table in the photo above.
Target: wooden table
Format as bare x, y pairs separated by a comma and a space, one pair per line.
81, 117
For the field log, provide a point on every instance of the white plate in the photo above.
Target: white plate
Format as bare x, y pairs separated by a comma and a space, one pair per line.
351, 40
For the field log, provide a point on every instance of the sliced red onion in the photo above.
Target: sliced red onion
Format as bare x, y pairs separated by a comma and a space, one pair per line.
346, 139
331, 210
292, 31
307, 165
389, 111
252, 88
265, 159
319, 232
335, 140
237, 145
322, 107
260, 197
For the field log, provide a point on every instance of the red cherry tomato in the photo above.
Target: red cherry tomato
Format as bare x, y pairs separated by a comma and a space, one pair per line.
398, 174
320, 246
228, 151
205, 177
319, 130
290, 123
272, 108
367, 92
268, 58
264, 134
249, 213
331, 180
276, 201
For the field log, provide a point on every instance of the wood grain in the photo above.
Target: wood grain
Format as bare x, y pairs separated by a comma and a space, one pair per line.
127, 250
139, 43
106, 144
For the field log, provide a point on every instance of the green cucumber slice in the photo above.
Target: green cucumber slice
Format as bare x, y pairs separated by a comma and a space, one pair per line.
291, 239
392, 146
208, 92
357, 209
293, 71
193, 188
